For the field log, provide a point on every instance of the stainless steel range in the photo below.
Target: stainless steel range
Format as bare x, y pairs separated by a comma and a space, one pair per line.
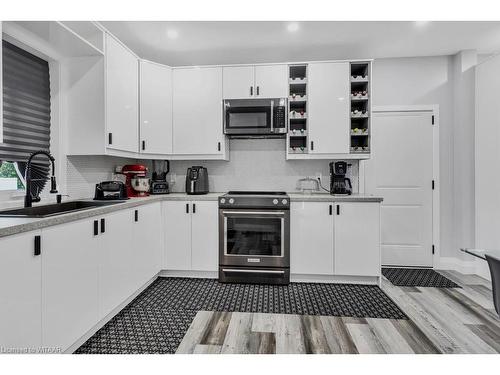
254, 237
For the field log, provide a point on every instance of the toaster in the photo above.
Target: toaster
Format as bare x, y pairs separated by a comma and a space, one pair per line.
110, 190
197, 180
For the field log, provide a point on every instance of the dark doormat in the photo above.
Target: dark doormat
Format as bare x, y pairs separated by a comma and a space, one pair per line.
417, 277
156, 321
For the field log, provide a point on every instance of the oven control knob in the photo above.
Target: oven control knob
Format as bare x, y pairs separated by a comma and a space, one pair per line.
275, 201
231, 201
284, 201
223, 200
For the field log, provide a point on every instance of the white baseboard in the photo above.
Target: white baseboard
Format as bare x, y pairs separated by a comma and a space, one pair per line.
193, 274
473, 267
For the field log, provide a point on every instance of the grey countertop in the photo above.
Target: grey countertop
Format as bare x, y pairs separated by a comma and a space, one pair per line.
10, 226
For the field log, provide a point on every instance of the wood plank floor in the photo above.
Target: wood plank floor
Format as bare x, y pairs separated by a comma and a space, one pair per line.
441, 321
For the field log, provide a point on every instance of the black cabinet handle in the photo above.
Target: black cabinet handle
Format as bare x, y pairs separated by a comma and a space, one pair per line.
218, 146
251, 90
187, 208
136, 215
38, 245
194, 208
338, 209
331, 210
258, 90
143, 145
96, 227
312, 145
103, 225
110, 138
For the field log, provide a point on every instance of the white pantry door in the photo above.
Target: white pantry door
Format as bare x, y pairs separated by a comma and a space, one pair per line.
400, 171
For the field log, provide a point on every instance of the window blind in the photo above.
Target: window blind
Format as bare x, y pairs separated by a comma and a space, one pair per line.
26, 108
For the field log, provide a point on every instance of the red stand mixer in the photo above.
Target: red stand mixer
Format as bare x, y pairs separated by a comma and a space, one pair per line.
136, 182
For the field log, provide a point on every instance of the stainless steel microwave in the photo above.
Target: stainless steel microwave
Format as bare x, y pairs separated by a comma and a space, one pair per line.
255, 117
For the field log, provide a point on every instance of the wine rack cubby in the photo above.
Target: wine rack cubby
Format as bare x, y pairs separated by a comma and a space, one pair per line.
297, 139
360, 108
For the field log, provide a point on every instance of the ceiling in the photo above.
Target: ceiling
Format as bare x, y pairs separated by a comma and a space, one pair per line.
213, 42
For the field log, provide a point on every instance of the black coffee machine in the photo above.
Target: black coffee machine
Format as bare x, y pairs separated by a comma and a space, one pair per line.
339, 183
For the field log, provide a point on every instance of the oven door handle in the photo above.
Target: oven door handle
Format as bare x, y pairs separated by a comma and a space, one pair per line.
254, 213
252, 271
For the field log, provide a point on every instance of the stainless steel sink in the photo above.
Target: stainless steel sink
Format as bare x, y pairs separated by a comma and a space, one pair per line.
55, 209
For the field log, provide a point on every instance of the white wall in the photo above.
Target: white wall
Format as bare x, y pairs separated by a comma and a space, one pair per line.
424, 80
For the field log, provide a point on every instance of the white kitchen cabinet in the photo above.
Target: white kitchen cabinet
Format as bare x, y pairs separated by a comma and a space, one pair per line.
328, 112
122, 96
357, 239
118, 278
147, 242
155, 108
177, 221
70, 282
204, 236
1, 93
271, 81
197, 111
20, 292
191, 235
260, 81
239, 82
311, 238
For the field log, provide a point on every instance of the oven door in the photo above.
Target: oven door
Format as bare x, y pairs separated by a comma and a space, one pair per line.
254, 238
249, 116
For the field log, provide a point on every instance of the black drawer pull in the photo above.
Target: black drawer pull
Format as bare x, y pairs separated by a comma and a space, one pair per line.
331, 209
110, 138
338, 209
194, 208
187, 208
251, 90
143, 145
258, 91
38, 245
96, 227
103, 225
136, 215
312, 145
218, 146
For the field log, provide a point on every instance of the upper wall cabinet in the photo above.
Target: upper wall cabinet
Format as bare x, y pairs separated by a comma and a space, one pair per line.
261, 81
156, 108
197, 112
122, 96
328, 112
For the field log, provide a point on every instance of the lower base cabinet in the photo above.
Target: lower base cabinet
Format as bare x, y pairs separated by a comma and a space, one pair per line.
329, 238
311, 238
357, 239
70, 282
191, 235
20, 293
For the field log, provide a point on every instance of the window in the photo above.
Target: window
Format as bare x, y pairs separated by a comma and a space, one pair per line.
26, 117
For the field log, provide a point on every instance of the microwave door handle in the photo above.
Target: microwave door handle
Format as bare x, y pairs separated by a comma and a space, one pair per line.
272, 116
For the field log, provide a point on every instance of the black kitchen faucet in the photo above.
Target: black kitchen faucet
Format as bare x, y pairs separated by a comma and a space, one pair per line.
29, 199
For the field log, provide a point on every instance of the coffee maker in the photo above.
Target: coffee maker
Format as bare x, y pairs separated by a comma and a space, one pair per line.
339, 183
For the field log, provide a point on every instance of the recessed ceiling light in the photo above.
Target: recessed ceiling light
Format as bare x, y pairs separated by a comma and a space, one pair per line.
172, 34
292, 27
421, 24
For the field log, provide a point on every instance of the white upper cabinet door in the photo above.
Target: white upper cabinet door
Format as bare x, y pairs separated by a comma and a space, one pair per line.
147, 244
177, 222
117, 270
328, 114
205, 236
20, 292
357, 239
156, 109
70, 285
239, 82
311, 238
122, 97
197, 120
271, 81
